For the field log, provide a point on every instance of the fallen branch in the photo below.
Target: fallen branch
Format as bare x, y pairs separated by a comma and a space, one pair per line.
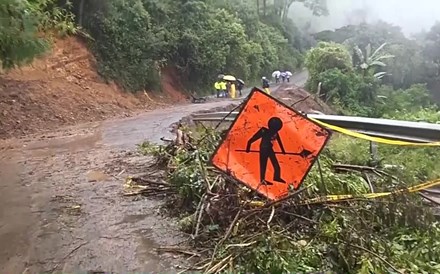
226, 236
219, 266
143, 181
347, 167
301, 100
367, 179
300, 217
238, 219
241, 245
178, 249
149, 192
353, 167
199, 213
271, 217
377, 256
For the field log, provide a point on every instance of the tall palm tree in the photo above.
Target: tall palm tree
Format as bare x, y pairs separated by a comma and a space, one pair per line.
370, 62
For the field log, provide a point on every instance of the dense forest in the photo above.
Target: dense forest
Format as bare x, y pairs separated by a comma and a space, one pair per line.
135, 40
364, 70
374, 70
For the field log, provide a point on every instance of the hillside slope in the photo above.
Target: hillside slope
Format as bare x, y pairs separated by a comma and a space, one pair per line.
63, 88
301, 100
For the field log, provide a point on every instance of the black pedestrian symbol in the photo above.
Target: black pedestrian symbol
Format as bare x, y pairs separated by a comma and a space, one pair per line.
268, 135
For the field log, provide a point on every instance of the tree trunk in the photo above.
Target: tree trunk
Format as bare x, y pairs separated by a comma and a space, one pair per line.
264, 8
81, 11
287, 8
258, 7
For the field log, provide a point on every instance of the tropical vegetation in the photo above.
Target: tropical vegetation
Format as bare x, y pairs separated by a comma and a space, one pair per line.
367, 69
135, 41
240, 232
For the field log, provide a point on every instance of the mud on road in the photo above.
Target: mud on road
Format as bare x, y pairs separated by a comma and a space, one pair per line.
61, 207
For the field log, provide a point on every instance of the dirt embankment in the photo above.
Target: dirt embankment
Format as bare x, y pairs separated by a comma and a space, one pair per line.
301, 100
63, 88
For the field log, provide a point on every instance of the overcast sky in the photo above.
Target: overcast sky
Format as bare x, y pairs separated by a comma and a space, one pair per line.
412, 16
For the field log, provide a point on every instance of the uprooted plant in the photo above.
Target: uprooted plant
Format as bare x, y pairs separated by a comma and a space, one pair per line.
233, 229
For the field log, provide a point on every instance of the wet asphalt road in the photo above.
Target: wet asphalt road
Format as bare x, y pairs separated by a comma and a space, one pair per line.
61, 207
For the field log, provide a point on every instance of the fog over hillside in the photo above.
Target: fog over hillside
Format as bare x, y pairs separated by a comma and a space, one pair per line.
412, 16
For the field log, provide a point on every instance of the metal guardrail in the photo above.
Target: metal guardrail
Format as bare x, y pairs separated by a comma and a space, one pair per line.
386, 128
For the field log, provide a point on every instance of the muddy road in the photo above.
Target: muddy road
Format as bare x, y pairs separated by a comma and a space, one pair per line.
61, 207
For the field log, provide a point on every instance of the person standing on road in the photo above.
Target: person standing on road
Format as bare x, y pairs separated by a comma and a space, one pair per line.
288, 75
276, 74
240, 86
228, 89
217, 88
266, 85
232, 90
283, 76
223, 88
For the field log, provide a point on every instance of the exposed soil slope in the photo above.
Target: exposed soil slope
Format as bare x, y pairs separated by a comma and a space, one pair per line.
63, 88
300, 99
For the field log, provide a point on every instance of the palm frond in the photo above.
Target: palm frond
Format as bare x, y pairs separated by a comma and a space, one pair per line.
378, 50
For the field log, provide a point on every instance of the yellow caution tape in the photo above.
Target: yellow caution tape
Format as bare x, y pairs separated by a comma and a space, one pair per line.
371, 138
346, 197
342, 198
255, 203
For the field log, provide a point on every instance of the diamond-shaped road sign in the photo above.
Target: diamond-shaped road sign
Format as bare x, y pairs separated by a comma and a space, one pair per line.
270, 146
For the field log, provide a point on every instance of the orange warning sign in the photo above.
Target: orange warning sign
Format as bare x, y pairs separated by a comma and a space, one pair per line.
270, 147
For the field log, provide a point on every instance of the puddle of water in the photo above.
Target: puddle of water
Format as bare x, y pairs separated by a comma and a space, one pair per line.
147, 254
134, 218
15, 217
97, 176
72, 143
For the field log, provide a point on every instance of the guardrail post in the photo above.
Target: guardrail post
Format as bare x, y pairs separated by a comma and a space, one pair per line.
373, 153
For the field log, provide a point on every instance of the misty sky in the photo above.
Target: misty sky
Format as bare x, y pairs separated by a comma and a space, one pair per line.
412, 16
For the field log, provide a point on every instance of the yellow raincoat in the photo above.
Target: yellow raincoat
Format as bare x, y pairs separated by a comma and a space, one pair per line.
232, 91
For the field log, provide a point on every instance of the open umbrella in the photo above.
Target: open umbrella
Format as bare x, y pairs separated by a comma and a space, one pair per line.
229, 78
220, 76
288, 73
241, 81
276, 74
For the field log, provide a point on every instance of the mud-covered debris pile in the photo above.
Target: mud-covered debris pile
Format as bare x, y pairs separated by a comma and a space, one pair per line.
301, 100
233, 229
